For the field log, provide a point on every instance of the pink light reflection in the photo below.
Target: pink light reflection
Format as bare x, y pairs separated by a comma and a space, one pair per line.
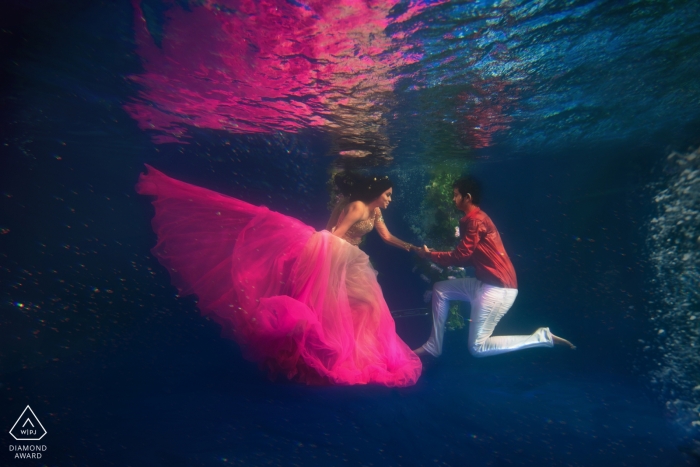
485, 113
249, 66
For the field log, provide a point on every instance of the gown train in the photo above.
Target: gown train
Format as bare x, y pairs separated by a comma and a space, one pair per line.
301, 303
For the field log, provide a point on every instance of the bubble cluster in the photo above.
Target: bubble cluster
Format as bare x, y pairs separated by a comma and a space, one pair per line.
674, 252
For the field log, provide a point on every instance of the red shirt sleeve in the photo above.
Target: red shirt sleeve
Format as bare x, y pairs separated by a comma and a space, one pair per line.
463, 252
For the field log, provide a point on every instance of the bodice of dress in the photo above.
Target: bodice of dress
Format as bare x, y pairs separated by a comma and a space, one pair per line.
359, 229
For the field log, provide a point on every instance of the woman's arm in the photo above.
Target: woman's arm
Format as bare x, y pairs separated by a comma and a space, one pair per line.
383, 232
355, 212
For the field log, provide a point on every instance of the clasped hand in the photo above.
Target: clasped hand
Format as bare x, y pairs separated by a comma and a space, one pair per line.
423, 252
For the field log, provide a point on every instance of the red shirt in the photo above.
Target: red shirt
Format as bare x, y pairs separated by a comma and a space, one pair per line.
480, 247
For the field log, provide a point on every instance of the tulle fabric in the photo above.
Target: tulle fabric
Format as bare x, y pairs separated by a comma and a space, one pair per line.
301, 303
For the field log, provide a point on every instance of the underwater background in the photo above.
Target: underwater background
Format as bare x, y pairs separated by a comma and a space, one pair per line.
581, 118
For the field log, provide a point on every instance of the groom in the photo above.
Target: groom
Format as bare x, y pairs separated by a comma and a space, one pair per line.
491, 293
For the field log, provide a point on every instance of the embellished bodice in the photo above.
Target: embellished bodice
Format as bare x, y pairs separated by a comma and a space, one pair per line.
358, 230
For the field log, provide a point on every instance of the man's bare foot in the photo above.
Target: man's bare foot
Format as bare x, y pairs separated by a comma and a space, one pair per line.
561, 341
420, 351
427, 359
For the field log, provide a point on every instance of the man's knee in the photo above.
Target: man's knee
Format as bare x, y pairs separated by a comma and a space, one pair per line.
477, 350
439, 294
443, 288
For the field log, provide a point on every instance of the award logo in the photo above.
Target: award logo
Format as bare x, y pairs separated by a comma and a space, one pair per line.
28, 428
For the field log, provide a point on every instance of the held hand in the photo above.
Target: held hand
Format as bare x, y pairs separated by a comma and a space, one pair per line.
423, 252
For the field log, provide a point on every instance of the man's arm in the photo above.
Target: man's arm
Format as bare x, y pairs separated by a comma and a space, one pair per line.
463, 251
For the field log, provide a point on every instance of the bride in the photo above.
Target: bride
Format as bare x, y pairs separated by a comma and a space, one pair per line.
301, 303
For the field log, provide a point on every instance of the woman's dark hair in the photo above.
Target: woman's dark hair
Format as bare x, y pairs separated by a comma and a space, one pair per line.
471, 186
360, 188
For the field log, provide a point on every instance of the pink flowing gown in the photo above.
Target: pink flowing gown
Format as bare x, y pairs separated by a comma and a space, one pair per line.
299, 302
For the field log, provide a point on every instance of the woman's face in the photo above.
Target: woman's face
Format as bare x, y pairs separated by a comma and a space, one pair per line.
385, 198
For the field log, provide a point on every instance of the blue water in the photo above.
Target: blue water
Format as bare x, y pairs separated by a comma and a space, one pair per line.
567, 111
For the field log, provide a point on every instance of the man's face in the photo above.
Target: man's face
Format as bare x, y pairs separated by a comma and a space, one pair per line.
457, 198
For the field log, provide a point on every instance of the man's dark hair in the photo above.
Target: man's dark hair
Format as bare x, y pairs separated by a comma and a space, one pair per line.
469, 185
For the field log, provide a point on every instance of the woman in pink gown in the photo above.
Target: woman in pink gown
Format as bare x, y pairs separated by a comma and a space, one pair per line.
299, 302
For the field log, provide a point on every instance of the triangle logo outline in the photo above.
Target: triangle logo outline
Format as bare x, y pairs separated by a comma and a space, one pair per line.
21, 417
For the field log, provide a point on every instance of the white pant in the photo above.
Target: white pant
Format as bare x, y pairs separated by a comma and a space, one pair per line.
489, 305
